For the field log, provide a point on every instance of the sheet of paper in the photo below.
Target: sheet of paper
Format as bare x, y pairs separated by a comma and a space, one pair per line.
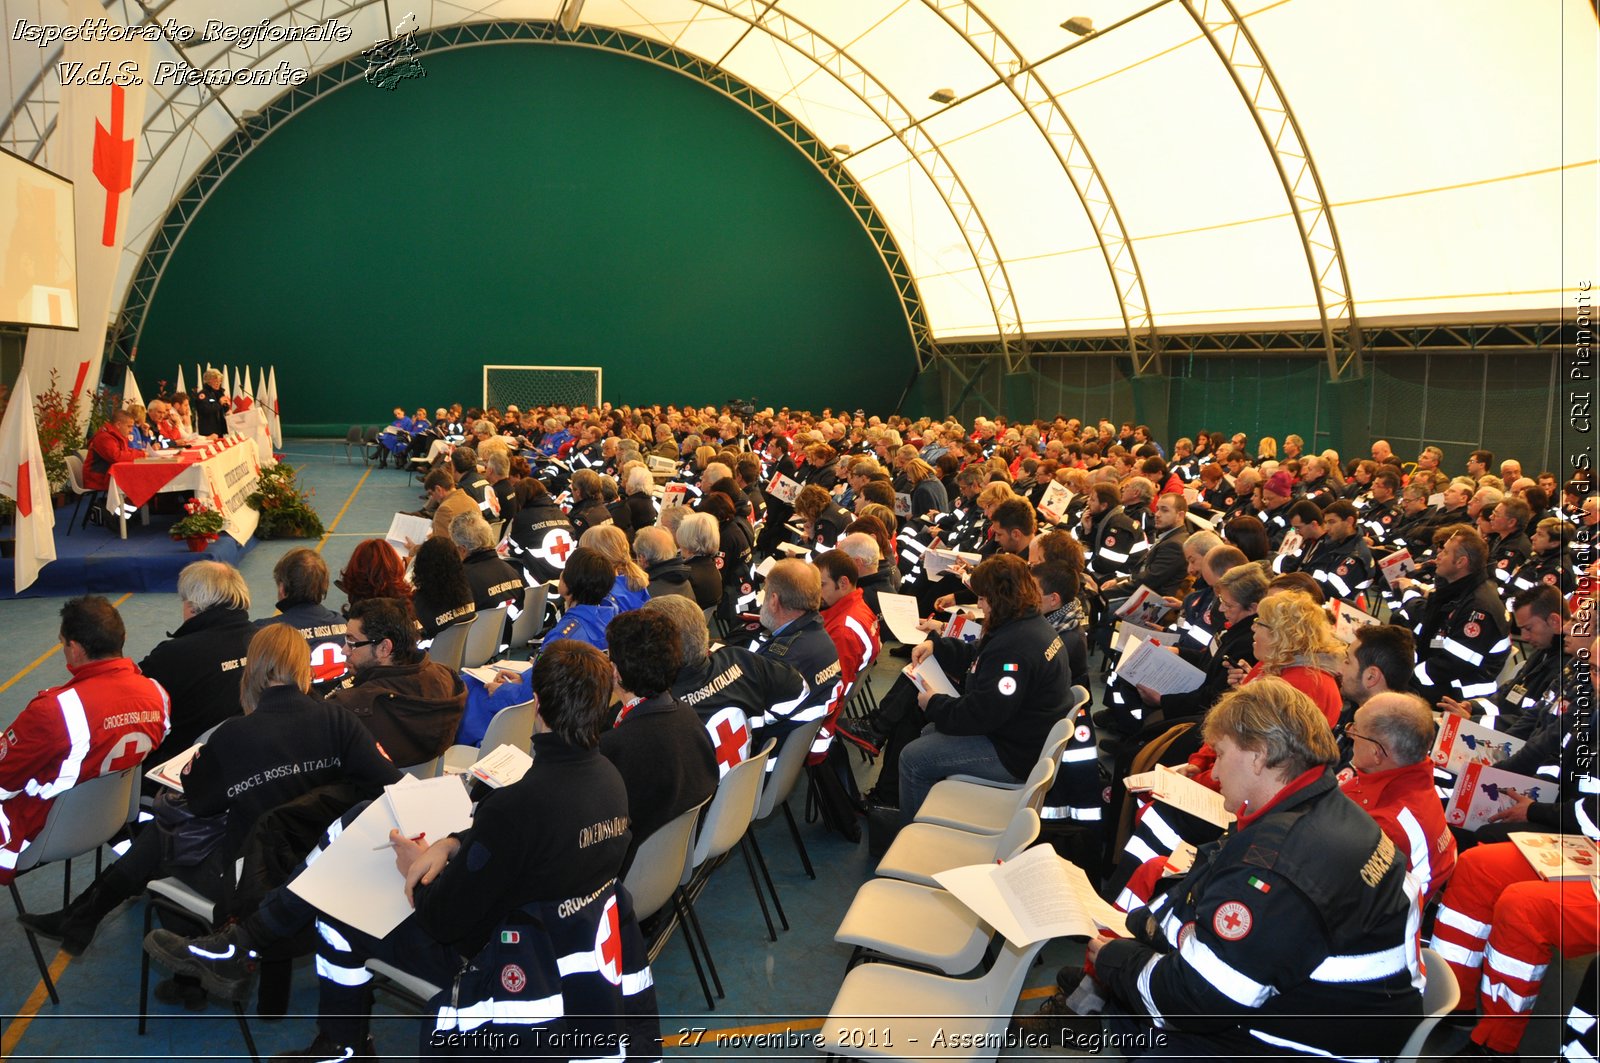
929, 675
485, 673
431, 807
1481, 792
900, 613
784, 489
1036, 896
1182, 793
1054, 502
1142, 606
1201, 522
1148, 664
794, 549
1291, 544
1461, 742
1347, 619
674, 495
1127, 629
937, 562
407, 526
170, 772
502, 766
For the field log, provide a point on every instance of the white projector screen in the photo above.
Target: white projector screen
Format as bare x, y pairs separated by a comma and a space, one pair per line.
38, 248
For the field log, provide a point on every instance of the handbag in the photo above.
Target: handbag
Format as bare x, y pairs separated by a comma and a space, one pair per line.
186, 839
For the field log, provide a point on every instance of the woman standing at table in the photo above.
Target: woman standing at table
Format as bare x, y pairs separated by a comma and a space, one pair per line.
211, 405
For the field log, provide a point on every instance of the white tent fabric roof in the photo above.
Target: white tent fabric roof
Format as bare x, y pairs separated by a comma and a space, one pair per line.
1456, 142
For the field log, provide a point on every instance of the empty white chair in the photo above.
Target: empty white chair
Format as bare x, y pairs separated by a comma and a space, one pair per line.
483, 638
512, 725
922, 850
449, 645
915, 924
988, 809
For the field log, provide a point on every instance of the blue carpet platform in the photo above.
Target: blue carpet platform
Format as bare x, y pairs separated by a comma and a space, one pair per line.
94, 561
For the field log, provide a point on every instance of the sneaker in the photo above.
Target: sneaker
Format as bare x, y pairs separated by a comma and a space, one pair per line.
180, 989
860, 733
326, 1048
222, 961
1055, 1023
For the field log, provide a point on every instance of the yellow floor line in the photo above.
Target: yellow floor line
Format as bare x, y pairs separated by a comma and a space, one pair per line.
342, 510
31, 1006
45, 656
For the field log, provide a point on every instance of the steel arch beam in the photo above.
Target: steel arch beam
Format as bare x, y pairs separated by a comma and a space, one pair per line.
923, 149
1056, 127
1247, 65
169, 232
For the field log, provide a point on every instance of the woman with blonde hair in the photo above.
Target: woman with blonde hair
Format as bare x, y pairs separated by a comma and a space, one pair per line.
927, 493
632, 587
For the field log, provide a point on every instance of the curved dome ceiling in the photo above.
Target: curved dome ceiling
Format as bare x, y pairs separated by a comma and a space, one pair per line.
1147, 176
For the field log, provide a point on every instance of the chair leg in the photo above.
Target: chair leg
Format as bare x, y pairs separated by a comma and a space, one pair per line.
76, 507
694, 955
755, 884
144, 970
38, 957
761, 862
66, 880
244, 1028
799, 842
705, 949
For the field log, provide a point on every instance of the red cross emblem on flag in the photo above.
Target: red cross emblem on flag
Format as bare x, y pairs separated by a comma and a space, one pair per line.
113, 163
608, 943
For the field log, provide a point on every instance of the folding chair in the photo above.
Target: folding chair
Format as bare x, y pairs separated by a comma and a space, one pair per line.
449, 645
779, 784
512, 725
654, 880
177, 898
352, 438
922, 850
80, 821
483, 638
530, 621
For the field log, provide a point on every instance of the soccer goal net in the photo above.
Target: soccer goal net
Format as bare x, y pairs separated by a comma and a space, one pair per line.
540, 385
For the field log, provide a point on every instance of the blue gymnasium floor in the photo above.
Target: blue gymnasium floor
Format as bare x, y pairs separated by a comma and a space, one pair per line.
771, 987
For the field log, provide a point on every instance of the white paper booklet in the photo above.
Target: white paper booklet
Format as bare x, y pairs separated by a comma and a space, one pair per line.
1182, 793
937, 562
1461, 742
485, 673
900, 613
502, 766
1482, 792
1054, 502
1393, 566
1144, 607
929, 675
1036, 896
407, 526
170, 772
1346, 619
784, 489
355, 879
1126, 630
1148, 664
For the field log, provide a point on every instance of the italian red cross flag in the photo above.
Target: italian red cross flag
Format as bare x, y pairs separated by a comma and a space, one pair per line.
94, 146
22, 478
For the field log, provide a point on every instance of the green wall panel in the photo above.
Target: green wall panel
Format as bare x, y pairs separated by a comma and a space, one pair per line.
530, 204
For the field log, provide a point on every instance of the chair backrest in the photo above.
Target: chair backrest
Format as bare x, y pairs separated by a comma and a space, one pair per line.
1440, 995
786, 769
658, 861
732, 807
483, 637
528, 622
428, 769
353, 435
512, 725
1023, 832
82, 819
449, 645
75, 473
370, 435
995, 994
1039, 780
1080, 698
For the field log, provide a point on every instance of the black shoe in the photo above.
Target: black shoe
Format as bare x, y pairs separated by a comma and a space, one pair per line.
74, 934
223, 961
1055, 1023
181, 989
902, 652
326, 1048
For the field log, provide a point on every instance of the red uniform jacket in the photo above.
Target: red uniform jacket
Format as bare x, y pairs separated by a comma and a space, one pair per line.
1408, 810
109, 717
853, 627
105, 450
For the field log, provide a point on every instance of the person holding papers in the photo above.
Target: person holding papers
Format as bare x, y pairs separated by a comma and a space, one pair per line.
1241, 586
1013, 685
1300, 913
285, 745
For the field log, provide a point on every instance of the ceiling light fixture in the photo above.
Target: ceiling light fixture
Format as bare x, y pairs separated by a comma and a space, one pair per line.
943, 96
1082, 25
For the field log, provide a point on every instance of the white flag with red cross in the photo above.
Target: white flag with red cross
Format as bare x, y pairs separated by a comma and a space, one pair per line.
22, 478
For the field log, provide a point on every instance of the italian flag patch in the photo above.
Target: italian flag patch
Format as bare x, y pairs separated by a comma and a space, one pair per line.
509, 937
1264, 887
1008, 668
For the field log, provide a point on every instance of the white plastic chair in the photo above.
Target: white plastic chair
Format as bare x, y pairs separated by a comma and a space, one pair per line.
512, 725
483, 637
654, 880
914, 924
988, 809
888, 1012
1440, 995
79, 821
531, 619
449, 645
178, 897
922, 850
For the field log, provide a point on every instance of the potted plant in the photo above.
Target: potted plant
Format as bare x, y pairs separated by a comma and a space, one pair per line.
56, 415
202, 523
285, 510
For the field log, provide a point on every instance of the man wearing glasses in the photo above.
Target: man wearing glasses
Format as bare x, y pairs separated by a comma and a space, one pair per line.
412, 705
1391, 776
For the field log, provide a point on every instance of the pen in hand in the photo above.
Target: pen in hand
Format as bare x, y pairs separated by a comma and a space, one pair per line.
391, 845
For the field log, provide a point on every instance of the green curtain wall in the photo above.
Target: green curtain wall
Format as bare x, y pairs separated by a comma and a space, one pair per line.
536, 205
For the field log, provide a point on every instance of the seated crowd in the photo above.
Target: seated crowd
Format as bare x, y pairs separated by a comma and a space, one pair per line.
734, 569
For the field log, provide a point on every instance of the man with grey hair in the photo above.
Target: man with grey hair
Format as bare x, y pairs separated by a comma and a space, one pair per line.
658, 556
1391, 776
728, 686
494, 582
793, 632
198, 665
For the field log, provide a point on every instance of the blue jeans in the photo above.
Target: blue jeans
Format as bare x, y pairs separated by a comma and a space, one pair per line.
935, 756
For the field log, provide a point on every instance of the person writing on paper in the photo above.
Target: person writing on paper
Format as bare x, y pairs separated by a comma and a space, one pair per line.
1014, 685
1246, 955
1241, 586
285, 745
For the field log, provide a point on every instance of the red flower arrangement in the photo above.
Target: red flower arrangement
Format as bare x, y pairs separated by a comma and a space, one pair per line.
201, 520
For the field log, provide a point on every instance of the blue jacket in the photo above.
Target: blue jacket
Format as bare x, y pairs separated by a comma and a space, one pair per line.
624, 599
585, 623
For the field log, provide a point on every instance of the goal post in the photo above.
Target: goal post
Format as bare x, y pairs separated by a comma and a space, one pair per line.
540, 385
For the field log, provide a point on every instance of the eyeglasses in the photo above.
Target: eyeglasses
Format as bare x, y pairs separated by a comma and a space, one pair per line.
1351, 732
357, 643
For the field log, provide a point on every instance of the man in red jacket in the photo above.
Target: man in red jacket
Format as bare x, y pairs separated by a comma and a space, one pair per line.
852, 626
1391, 776
108, 718
109, 446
